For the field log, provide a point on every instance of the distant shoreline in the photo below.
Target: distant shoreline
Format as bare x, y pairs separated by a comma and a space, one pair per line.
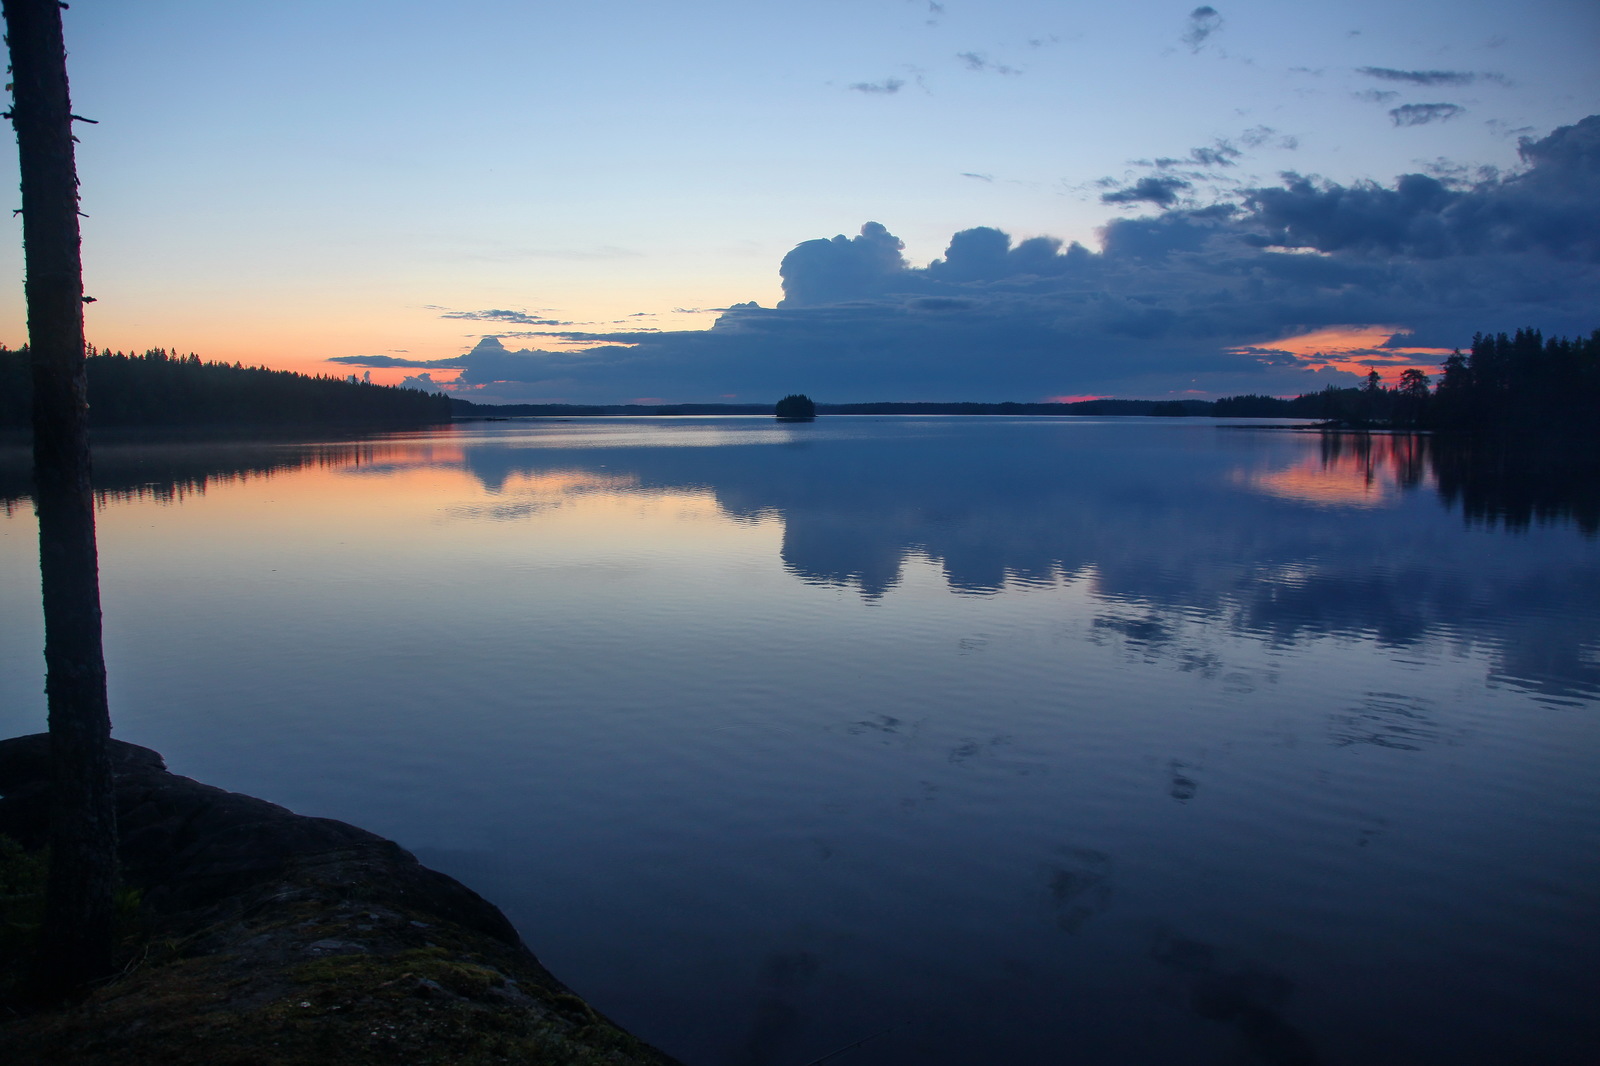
465, 409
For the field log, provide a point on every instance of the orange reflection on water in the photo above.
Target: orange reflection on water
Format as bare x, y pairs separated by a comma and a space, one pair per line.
553, 483
173, 472
400, 494
1349, 470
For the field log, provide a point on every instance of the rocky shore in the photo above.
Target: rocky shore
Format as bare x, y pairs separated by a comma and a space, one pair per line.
264, 938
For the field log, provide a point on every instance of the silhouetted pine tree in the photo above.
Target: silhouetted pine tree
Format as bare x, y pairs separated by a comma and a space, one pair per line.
77, 943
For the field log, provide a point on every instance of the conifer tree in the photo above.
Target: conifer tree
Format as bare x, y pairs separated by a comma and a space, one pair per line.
77, 943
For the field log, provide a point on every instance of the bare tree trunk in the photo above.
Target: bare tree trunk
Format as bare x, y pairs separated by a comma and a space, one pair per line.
83, 834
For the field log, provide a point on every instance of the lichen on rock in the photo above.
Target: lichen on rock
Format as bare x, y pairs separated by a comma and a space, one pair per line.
269, 938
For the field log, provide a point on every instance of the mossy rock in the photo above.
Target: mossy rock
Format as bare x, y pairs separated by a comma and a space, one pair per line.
266, 938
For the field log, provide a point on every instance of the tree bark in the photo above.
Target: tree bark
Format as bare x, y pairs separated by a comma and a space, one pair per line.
77, 944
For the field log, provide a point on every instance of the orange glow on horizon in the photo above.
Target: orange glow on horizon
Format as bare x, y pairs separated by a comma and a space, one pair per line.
1073, 399
1354, 349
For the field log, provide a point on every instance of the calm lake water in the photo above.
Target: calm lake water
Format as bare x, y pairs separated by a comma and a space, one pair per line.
982, 740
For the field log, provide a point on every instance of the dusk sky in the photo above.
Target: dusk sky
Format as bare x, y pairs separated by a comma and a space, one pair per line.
1036, 199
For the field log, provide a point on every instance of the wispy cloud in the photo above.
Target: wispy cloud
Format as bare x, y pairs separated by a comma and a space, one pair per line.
935, 10
1203, 22
520, 318
1267, 137
1422, 114
1420, 77
886, 87
976, 61
1161, 190
381, 361
1432, 77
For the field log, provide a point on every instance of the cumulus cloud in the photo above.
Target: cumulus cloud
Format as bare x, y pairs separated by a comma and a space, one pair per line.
1422, 114
1203, 294
422, 382
886, 87
1203, 22
828, 271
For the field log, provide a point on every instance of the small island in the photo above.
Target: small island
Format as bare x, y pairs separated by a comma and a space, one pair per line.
795, 407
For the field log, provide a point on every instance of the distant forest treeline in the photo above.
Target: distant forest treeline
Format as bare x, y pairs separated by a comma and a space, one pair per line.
468, 409
1518, 385
160, 388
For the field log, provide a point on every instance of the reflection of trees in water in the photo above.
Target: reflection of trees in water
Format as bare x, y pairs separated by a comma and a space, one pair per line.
1496, 483
1404, 456
168, 471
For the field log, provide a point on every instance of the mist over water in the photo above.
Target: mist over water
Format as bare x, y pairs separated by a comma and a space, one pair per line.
990, 740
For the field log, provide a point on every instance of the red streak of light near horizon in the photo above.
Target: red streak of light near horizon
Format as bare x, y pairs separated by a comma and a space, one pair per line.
1354, 350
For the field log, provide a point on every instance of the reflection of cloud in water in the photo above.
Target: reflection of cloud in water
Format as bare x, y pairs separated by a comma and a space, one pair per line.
969, 748
1389, 720
1181, 787
781, 987
1170, 535
1077, 884
1166, 526
521, 495
887, 729
825, 551
1251, 999
1145, 634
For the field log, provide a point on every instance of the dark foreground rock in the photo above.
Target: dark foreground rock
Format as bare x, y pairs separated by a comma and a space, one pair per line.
264, 937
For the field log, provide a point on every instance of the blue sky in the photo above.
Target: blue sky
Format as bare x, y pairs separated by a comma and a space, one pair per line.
386, 184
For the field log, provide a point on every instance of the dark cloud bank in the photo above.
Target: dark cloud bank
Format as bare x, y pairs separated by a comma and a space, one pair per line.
1158, 309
